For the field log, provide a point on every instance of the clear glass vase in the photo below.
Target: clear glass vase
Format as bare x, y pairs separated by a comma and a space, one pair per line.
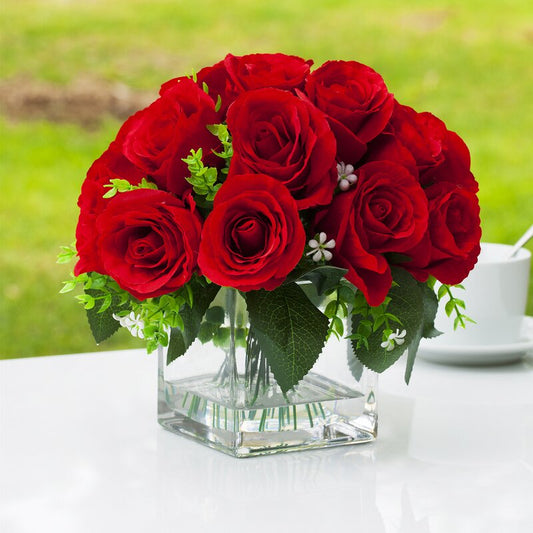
222, 392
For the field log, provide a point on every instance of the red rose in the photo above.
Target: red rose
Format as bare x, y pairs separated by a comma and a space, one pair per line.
387, 147
278, 134
356, 100
253, 237
158, 137
440, 154
451, 246
110, 165
148, 241
384, 211
236, 74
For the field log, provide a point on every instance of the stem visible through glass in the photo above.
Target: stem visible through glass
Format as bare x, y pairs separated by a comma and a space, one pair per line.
257, 369
231, 299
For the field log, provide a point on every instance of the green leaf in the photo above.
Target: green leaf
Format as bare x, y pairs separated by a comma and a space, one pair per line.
449, 307
101, 322
355, 366
426, 329
290, 330
180, 340
111, 192
67, 254
218, 105
68, 286
431, 305
407, 304
442, 292
323, 277
215, 315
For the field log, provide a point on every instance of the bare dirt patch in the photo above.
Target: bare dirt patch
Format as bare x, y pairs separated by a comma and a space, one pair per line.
85, 102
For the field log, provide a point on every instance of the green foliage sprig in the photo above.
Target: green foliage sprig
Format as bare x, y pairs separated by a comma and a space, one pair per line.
222, 133
203, 179
454, 305
117, 185
67, 254
106, 303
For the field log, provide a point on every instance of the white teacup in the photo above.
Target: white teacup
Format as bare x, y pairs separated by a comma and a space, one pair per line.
495, 296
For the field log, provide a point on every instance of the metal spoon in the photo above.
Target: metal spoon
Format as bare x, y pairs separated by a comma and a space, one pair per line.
520, 242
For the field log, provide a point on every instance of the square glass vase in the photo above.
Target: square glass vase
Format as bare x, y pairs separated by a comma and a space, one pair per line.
222, 393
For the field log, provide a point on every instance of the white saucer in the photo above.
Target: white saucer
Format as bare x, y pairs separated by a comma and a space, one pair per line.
479, 354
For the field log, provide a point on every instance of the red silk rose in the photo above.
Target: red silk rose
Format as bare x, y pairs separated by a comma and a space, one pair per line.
148, 241
440, 154
110, 165
278, 134
236, 74
385, 211
253, 237
158, 137
450, 248
357, 102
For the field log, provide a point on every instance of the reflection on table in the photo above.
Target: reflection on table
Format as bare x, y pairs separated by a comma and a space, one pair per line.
80, 451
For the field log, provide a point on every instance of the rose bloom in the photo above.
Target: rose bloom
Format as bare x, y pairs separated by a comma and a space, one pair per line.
110, 165
439, 154
386, 210
253, 237
236, 74
357, 102
148, 241
450, 247
280, 135
158, 137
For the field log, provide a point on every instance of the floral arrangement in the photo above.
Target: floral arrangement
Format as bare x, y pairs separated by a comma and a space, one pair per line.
258, 173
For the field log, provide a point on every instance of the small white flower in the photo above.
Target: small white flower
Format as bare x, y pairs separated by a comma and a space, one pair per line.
345, 176
393, 339
133, 323
319, 247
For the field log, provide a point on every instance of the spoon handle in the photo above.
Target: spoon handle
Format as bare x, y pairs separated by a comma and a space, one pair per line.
527, 235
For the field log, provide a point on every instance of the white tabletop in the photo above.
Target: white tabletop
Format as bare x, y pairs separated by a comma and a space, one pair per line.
81, 452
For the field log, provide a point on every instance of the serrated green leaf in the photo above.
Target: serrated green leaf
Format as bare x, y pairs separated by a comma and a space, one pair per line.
406, 303
355, 366
426, 328
290, 330
181, 339
431, 305
102, 324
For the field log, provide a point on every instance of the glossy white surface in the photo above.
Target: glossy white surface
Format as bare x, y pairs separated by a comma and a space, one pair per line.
80, 452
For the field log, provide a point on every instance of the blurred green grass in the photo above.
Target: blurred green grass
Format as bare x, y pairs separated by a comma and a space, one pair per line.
467, 62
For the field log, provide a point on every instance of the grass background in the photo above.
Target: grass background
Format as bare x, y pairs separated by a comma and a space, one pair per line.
467, 62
